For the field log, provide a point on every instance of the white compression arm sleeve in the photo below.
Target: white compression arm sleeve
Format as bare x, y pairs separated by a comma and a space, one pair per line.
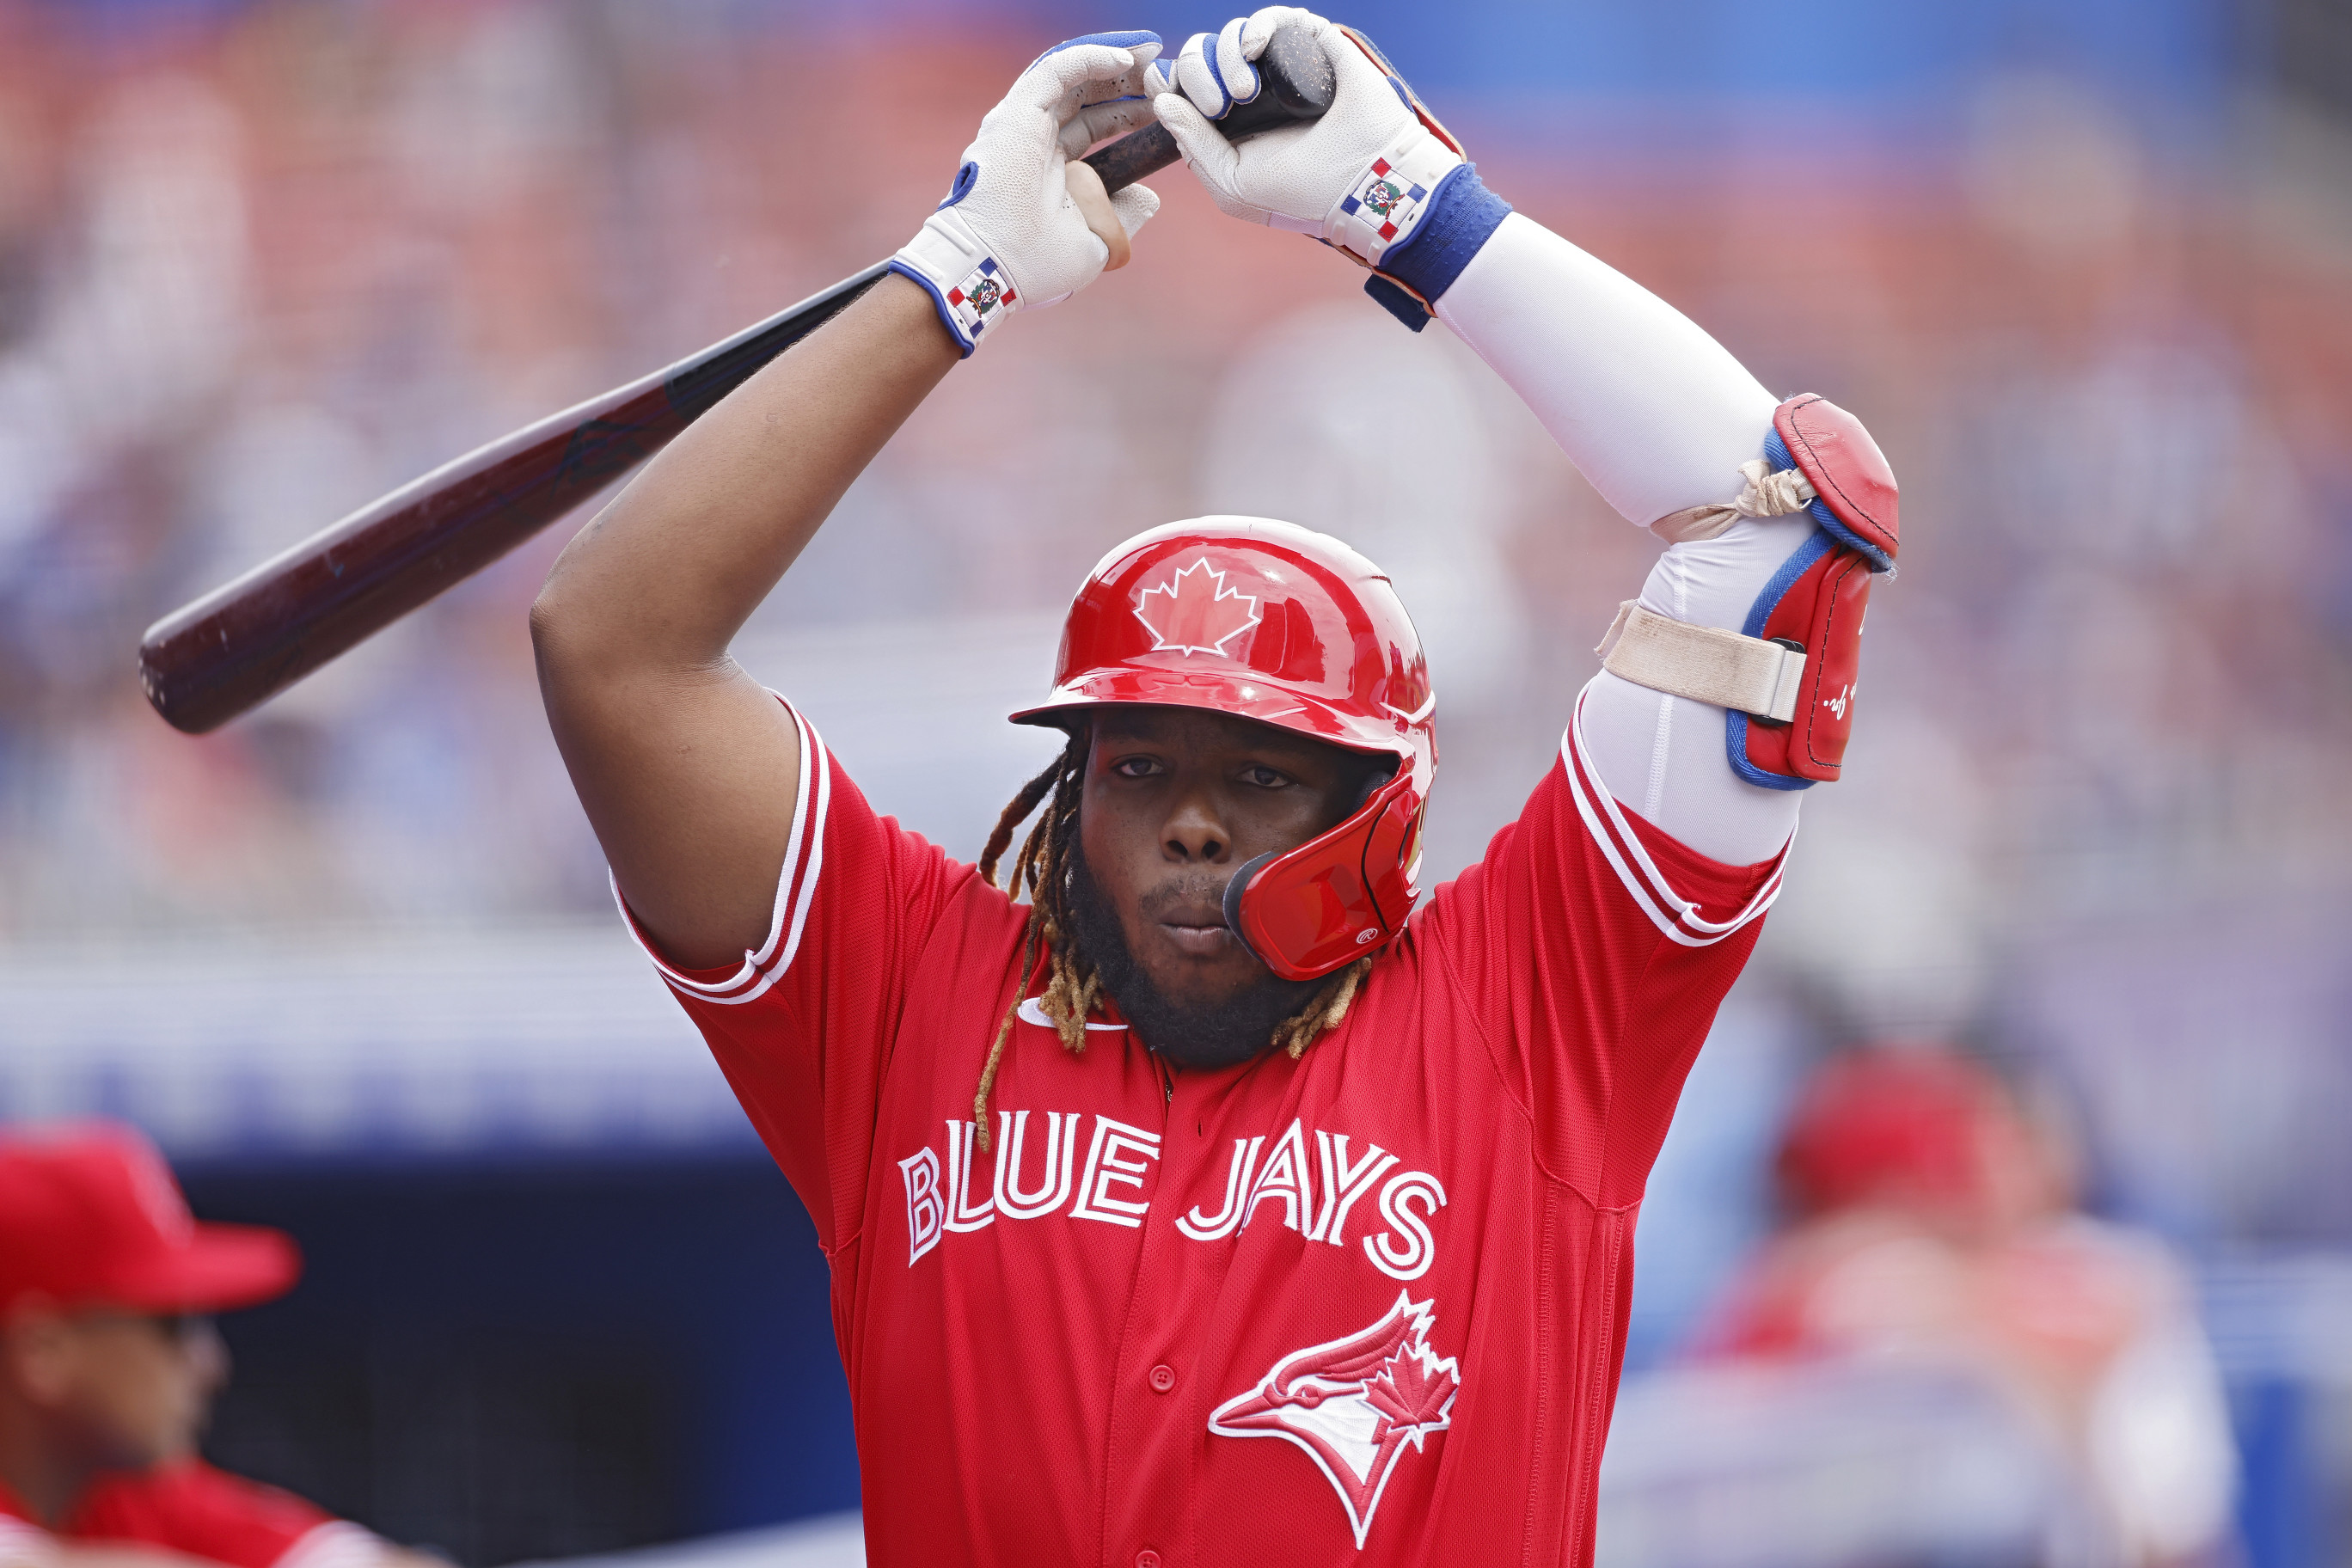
1659, 418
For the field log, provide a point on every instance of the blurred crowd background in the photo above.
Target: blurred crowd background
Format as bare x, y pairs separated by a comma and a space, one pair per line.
2084, 267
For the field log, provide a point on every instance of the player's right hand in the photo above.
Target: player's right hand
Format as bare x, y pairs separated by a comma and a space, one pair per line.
1014, 232
1368, 164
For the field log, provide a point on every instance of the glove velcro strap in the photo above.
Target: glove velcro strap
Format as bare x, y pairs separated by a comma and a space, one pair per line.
1706, 664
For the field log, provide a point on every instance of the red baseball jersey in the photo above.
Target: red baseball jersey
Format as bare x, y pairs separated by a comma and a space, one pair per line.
190, 1508
1363, 1306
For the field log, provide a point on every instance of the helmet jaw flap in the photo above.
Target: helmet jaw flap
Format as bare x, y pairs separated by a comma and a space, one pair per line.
1310, 910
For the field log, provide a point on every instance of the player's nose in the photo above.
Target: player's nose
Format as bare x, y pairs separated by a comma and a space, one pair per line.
1195, 830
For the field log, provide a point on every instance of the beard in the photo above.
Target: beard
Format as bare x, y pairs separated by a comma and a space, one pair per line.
1190, 1034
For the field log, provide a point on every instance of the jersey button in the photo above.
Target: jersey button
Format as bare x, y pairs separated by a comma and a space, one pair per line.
1147, 1558
1163, 1378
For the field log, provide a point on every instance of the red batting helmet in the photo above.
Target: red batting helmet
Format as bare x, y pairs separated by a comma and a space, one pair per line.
1273, 621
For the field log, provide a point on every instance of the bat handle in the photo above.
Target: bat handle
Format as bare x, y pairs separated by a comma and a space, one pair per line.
1134, 156
1295, 83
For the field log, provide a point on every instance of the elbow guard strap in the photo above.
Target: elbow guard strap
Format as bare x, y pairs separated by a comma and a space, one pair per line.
1707, 664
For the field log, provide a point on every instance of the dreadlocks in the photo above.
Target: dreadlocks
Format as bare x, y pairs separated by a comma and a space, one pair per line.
1072, 984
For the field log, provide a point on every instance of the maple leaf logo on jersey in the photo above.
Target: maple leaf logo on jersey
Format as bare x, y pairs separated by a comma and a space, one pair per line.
1354, 1403
1195, 611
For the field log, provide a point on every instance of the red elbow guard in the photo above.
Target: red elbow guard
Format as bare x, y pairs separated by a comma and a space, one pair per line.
1815, 602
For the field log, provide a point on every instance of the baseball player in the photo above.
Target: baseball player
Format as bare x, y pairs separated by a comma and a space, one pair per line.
1216, 1205
107, 1368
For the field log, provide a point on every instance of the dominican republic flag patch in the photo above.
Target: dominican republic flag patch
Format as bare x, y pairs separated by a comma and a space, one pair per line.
981, 296
1385, 201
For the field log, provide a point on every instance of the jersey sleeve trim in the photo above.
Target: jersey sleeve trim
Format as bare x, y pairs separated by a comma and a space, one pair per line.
1676, 916
796, 891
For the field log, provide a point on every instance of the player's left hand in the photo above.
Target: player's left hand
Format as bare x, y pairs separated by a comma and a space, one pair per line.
1359, 177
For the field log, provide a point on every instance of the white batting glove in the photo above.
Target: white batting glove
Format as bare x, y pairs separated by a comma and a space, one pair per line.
1010, 237
1360, 177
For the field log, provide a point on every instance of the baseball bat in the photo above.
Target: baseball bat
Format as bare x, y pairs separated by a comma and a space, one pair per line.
243, 643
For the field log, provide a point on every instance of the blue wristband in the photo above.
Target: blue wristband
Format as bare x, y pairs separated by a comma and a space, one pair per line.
1463, 215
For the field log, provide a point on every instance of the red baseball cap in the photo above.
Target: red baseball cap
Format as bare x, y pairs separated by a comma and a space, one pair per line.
1890, 1122
90, 1216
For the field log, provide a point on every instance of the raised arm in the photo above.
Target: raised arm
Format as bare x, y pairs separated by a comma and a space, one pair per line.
1659, 418
686, 766
1655, 413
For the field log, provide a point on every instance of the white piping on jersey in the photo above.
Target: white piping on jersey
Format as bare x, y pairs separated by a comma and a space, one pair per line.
1672, 913
807, 833
815, 842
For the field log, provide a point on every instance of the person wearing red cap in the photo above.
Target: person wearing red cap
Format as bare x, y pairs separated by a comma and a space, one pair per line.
108, 1363
1932, 1223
